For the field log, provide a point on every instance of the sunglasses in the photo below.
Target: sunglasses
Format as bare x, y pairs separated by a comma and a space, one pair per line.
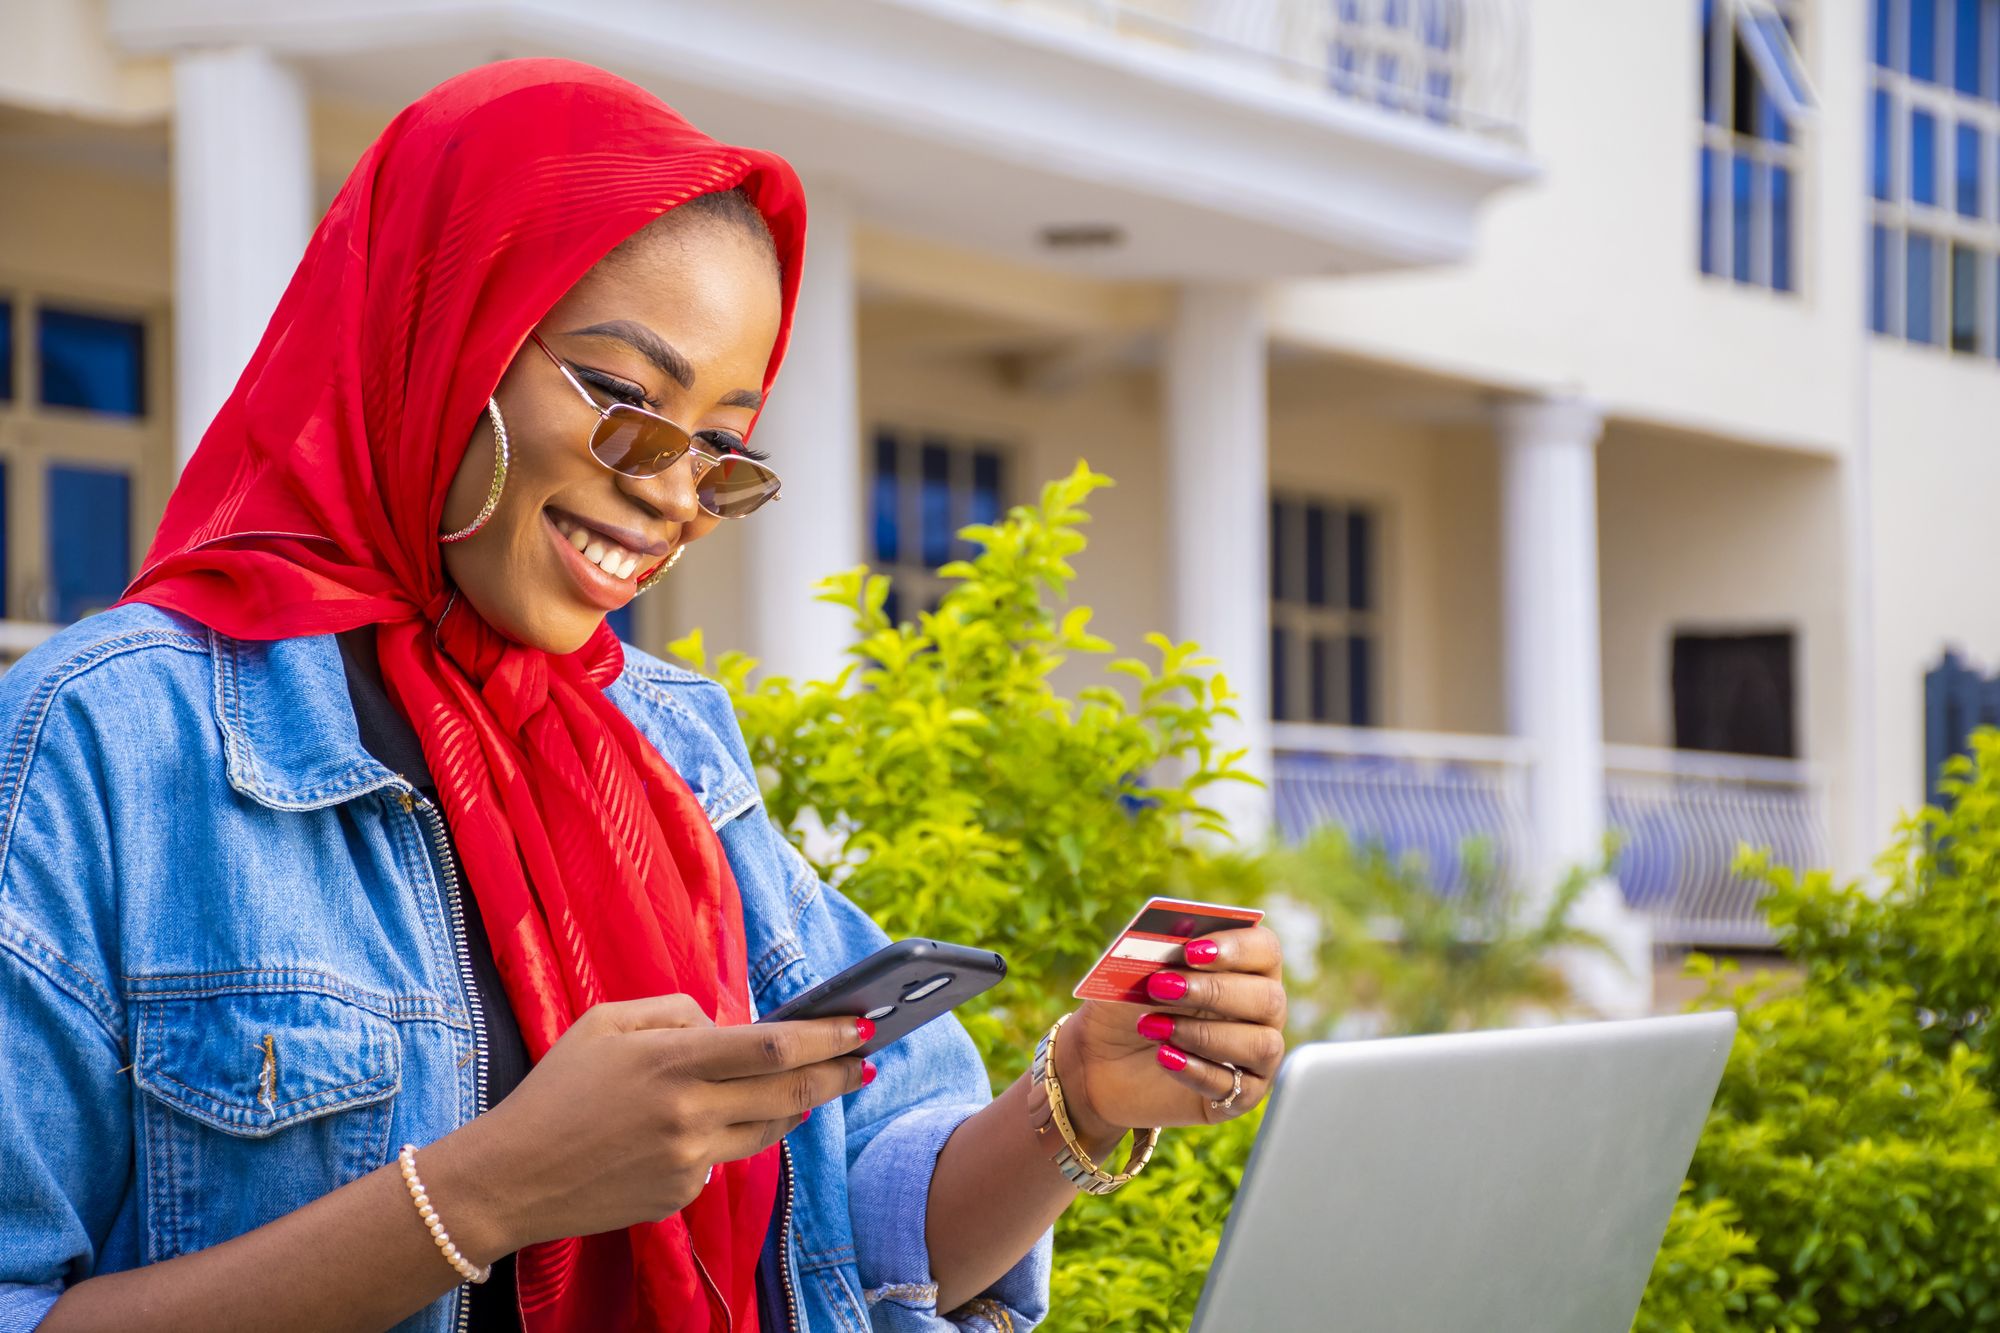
641, 444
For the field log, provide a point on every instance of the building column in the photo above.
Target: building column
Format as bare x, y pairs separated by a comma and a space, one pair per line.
1215, 423
1554, 678
812, 428
242, 191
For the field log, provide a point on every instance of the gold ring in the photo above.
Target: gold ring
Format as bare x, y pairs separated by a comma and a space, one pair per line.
1235, 1088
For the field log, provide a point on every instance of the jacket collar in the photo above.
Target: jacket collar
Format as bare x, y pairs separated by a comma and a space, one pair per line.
290, 741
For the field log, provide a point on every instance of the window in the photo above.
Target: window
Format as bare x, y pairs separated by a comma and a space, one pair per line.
1735, 694
84, 457
1934, 155
925, 488
1755, 101
1326, 638
1406, 55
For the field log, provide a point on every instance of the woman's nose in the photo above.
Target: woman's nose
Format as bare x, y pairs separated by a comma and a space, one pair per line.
673, 492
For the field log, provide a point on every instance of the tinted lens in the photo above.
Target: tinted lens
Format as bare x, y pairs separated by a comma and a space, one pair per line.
629, 441
735, 486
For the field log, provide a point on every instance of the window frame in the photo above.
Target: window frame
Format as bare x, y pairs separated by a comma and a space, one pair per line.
1900, 216
34, 437
915, 584
1303, 621
1723, 143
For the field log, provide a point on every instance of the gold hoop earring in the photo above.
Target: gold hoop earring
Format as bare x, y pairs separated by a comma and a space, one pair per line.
661, 572
499, 476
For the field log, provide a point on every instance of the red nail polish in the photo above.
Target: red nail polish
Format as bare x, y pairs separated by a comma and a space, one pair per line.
1166, 985
1202, 951
863, 1030
807, 1116
1172, 1058
1156, 1027
867, 1072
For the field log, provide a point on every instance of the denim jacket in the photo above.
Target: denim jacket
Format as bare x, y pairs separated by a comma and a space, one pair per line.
233, 974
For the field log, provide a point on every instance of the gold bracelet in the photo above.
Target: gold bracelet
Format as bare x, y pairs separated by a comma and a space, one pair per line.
1072, 1160
407, 1159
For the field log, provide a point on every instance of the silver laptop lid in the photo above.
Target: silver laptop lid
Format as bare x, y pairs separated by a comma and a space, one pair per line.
1505, 1182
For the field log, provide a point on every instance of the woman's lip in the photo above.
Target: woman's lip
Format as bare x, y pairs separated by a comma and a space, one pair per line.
598, 588
625, 537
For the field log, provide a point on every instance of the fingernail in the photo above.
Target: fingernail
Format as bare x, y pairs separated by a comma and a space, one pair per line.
1202, 951
1172, 1058
867, 1072
863, 1030
1166, 985
807, 1116
1156, 1027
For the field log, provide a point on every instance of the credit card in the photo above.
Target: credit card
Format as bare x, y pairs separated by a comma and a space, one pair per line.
1152, 943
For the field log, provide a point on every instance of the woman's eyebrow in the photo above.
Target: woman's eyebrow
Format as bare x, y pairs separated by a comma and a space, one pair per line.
662, 354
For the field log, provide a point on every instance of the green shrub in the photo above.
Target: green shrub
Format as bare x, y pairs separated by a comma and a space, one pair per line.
1854, 1142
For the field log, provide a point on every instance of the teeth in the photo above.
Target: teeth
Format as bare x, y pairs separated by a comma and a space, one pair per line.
598, 549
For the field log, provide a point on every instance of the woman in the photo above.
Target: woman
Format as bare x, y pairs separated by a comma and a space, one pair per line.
355, 827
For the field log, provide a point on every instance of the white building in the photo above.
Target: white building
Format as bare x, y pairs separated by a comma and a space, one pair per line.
1489, 385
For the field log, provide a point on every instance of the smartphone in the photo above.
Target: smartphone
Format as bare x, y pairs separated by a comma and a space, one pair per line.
898, 988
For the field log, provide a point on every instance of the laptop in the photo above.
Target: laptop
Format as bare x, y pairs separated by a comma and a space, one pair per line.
1504, 1182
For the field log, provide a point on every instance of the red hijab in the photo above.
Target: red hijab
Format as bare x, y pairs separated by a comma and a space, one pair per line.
313, 505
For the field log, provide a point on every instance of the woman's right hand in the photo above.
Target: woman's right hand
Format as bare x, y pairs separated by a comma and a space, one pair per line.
623, 1118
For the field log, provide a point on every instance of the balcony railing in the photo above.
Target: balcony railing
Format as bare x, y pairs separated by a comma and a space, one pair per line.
1462, 63
1412, 794
1680, 817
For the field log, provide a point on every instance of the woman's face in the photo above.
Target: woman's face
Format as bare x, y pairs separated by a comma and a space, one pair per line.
681, 322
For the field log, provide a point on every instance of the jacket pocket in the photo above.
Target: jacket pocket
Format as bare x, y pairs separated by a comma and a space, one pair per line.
253, 1103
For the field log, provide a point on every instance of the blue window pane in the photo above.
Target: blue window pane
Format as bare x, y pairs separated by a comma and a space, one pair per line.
1316, 525
982, 505
1345, 72
621, 622
1711, 186
1964, 299
1923, 157
6, 351
886, 499
1360, 561
935, 499
90, 538
1884, 10
1739, 220
92, 362
1281, 577
4, 582
1878, 280
1388, 90
986, 499
1879, 146
1771, 123
1781, 228
1967, 45
1971, 162
1320, 679
1439, 22
1711, 109
892, 606
1919, 309
1923, 39
1437, 94
1361, 681
1281, 646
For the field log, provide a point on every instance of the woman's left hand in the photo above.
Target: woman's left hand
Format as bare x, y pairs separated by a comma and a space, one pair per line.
1124, 1065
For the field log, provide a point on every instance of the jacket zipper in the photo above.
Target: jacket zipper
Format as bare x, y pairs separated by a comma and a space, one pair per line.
785, 1239
454, 901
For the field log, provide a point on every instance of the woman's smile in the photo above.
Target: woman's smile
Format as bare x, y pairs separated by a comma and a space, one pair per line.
601, 569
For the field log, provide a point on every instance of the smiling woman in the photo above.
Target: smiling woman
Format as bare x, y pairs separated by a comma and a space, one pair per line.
379, 937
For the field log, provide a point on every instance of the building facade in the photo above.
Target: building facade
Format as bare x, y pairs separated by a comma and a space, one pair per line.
1561, 419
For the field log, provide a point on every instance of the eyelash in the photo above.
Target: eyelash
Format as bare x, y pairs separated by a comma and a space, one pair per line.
635, 397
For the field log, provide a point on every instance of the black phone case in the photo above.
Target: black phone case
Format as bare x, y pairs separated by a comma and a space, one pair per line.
883, 979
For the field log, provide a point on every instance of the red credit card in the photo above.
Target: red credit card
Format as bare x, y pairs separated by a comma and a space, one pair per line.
1153, 942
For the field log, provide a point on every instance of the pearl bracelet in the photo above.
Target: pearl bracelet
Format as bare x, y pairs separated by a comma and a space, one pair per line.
407, 1159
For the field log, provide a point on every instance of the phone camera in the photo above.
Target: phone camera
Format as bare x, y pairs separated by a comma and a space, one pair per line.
923, 988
